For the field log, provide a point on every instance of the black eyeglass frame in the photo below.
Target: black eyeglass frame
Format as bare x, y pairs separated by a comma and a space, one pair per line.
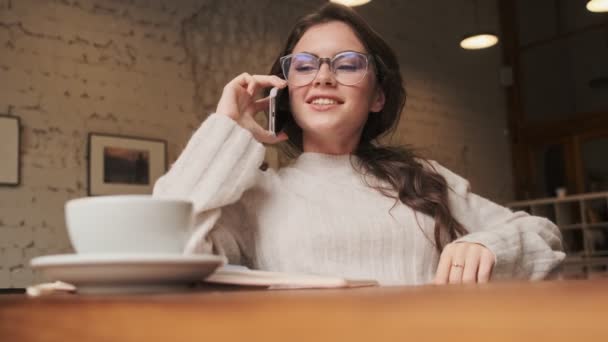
369, 59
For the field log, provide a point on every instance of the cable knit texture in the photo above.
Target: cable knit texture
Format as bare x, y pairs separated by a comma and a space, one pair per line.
317, 216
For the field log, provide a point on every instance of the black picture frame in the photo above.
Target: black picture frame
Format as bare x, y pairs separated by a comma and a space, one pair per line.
120, 164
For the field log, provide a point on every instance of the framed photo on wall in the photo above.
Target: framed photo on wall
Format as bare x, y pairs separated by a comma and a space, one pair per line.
124, 165
10, 158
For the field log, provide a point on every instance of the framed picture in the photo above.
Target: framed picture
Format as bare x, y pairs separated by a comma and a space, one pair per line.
10, 159
124, 165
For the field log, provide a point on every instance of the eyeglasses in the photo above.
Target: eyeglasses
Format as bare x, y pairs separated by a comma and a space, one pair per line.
348, 67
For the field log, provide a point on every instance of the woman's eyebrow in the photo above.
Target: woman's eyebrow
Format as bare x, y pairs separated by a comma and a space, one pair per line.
309, 53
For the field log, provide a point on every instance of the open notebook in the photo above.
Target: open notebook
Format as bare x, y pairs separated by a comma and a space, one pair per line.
243, 276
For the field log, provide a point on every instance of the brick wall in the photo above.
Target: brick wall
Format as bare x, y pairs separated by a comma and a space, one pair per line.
156, 68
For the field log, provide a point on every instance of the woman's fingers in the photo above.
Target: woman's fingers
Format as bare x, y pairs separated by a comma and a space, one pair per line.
471, 265
486, 264
259, 133
261, 105
458, 264
238, 102
443, 269
464, 262
254, 84
268, 137
258, 82
239, 93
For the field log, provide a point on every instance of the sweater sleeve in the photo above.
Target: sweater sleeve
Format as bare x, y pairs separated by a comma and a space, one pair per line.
525, 246
220, 162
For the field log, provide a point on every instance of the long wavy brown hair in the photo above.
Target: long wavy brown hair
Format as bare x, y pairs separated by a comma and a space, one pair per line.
416, 186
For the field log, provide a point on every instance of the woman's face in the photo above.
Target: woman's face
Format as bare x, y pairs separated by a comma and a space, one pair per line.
332, 115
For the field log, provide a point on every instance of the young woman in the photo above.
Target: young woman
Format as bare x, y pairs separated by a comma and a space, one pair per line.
347, 206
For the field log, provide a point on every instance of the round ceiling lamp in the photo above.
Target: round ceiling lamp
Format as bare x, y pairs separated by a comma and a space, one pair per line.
597, 6
351, 3
480, 39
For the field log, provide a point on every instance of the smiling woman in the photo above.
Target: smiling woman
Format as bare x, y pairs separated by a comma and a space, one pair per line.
347, 206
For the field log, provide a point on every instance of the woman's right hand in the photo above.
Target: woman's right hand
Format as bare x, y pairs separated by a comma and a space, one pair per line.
238, 102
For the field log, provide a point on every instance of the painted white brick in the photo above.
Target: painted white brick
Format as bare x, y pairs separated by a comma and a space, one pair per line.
12, 257
31, 252
5, 277
45, 237
15, 238
22, 277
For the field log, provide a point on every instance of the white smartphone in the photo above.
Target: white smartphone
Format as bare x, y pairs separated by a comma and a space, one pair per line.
272, 110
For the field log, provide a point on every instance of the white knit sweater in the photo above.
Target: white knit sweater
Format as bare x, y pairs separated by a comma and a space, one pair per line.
318, 216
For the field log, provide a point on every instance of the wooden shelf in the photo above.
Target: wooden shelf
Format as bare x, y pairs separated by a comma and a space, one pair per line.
571, 226
584, 226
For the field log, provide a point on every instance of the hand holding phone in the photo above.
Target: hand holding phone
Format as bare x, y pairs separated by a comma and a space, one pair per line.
239, 102
272, 110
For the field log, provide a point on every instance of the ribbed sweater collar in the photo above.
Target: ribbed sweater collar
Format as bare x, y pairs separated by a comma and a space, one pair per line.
325, 164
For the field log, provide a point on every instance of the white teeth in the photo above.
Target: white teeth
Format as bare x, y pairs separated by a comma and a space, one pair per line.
324, 101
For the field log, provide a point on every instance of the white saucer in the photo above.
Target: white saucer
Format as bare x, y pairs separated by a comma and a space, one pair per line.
127, 273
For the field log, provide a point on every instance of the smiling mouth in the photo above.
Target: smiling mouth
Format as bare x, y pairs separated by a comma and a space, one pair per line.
320, 101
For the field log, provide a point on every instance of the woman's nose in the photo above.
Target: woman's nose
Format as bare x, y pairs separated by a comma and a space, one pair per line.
325, 76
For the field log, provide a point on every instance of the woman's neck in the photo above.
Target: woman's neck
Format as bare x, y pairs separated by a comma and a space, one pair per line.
332, 145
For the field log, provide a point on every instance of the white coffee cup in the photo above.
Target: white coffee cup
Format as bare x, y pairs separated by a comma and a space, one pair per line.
128, 224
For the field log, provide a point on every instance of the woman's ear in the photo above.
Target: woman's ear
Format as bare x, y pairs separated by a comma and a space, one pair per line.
378, 100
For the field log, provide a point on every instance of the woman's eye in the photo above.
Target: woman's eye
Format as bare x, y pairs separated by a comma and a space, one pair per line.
304, 68
347, 67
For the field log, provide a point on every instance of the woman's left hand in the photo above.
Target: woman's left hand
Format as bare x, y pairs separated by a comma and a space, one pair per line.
464, 263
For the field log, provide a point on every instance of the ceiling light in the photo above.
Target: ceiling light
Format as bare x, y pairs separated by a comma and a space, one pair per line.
597, 6
351, 3
479, 41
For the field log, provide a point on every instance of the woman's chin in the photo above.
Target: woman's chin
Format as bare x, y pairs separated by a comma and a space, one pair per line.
322, 127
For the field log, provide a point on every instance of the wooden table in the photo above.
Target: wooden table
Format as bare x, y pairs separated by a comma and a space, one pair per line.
544, 311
